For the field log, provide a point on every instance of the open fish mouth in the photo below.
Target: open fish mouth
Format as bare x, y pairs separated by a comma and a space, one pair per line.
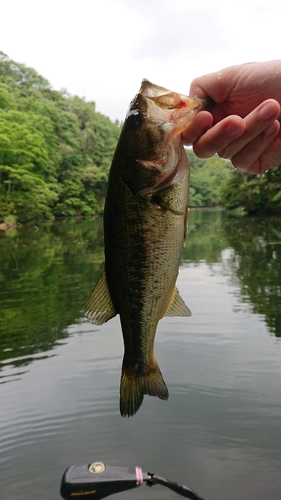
164, 106
169, 100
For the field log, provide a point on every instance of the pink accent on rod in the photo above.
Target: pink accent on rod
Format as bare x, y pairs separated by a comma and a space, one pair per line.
139, 476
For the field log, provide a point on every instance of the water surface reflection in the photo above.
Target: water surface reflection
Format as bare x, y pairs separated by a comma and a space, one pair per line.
219, 432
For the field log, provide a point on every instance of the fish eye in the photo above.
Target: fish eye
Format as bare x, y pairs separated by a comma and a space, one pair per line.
134, 119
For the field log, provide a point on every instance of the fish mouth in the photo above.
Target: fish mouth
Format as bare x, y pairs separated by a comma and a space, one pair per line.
168, 108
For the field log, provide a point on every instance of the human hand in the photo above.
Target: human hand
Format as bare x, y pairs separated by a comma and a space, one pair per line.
243, 124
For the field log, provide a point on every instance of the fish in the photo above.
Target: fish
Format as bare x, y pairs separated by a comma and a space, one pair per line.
145, 220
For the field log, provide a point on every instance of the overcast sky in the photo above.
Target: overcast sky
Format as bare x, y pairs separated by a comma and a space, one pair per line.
102, 49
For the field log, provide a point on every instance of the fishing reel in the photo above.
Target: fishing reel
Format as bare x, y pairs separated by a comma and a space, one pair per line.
98, 480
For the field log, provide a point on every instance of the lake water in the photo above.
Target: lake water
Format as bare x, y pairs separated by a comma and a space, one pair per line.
220, 431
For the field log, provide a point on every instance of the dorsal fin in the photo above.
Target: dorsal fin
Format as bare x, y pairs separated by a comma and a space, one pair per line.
99, 307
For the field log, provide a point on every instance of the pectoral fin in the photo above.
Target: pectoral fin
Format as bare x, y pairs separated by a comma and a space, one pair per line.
99, 307
177, 306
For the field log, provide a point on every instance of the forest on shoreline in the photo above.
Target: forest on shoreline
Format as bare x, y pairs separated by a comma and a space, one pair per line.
56, 151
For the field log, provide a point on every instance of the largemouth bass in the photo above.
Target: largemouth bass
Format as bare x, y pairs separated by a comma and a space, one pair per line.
145, 219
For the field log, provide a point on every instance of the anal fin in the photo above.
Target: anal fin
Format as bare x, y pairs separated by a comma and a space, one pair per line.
177, 306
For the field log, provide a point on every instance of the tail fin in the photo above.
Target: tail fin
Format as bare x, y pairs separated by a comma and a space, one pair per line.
134, 385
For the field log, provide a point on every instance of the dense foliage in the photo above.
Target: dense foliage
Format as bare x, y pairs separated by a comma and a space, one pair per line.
253, 193
206, 179
55, 149
215, 182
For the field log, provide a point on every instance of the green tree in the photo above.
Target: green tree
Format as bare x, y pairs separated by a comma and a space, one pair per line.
206, 177
255, 194
55, 149
26, 190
